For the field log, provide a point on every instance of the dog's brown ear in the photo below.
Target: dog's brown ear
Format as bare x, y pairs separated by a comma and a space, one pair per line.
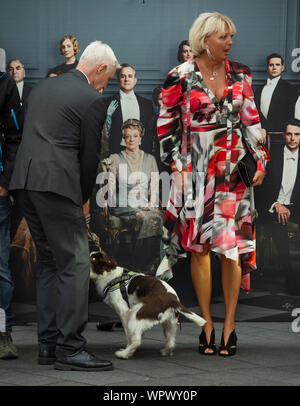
113, 263
101, 262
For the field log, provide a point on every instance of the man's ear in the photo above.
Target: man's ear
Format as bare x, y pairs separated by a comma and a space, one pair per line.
101, 68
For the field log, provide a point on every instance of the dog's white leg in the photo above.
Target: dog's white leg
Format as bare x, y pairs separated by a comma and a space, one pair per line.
124, 319
121, 308
131, 348
170, 328
134, 338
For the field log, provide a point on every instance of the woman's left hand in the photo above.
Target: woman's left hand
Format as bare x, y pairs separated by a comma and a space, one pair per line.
258, 178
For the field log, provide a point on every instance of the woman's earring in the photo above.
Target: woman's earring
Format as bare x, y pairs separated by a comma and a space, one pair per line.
209, 53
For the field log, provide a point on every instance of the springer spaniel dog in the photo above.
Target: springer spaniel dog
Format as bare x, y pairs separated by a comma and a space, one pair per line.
141, 301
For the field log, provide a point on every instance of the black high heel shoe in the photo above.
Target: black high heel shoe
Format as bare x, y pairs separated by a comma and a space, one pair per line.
204, 345
230, 347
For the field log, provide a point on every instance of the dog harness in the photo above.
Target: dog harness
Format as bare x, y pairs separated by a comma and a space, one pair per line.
121, 282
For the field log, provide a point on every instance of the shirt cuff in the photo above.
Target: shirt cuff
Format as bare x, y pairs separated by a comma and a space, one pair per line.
271, 209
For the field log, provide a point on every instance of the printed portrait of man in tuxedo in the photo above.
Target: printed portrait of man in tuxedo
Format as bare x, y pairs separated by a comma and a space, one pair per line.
129, 106
16, 69
275, 100
278, 204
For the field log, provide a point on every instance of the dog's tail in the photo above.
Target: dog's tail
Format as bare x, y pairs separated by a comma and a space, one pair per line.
191, 315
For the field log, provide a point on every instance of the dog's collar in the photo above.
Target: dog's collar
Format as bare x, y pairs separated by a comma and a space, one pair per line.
120, 282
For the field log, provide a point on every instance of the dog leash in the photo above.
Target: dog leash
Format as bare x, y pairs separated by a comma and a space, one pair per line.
95, 239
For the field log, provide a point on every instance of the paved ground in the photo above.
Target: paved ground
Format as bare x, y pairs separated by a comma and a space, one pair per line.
268, 355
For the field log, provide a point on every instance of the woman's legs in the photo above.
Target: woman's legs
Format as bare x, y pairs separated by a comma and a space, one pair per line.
202, 282
231, 282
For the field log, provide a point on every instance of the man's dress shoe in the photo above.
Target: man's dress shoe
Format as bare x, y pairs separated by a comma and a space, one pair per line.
46, 356
82, 360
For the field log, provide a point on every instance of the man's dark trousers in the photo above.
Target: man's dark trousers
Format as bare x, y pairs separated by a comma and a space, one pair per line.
62, 280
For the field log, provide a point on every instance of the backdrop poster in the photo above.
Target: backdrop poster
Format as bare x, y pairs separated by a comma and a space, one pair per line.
268, 300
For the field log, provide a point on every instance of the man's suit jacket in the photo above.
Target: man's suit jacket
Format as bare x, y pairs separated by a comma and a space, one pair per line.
61, 138
267, 193
23, 102
282, 106
26, 90
10, 125
146, 114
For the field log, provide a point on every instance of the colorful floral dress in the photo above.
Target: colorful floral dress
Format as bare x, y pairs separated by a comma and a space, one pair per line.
203, 136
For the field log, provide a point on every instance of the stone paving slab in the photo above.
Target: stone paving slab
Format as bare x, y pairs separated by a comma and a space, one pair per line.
268, 355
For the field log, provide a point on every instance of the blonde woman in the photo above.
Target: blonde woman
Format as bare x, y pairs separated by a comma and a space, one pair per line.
68, 47
208, 99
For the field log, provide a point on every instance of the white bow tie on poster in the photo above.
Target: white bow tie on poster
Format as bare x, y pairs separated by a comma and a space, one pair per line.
127, 97
270, 82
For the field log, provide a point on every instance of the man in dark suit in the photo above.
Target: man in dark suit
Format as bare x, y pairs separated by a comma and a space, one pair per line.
276, 99
54, 175
130, 105
278, 199
16, 69
9, 140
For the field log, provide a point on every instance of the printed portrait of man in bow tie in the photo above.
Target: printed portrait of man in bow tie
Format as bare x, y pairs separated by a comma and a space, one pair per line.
129, 106
278, 202
276, 99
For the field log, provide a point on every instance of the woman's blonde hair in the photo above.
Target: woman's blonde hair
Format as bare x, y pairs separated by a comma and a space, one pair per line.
205, 25
74, 42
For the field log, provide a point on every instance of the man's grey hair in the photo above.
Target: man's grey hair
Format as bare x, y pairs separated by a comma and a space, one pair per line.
97, 53
14, 60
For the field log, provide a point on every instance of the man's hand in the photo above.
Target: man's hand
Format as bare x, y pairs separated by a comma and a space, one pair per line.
283, 213
3, 191
258, 178
86, 208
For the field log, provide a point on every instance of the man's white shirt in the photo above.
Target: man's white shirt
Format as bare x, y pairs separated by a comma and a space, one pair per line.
130, 107
20, 87
297, 109
290, 167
